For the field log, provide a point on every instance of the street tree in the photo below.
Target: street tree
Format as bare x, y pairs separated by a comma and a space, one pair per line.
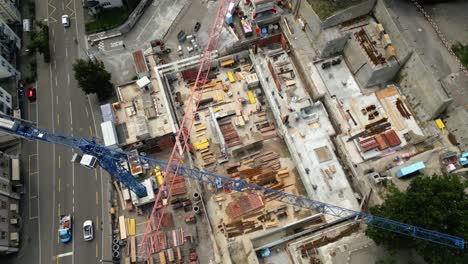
93, 78
438, 203
40, 41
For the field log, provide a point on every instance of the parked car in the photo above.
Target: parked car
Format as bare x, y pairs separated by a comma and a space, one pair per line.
88, 232
31, 94
181, 36
65, 21
197, 27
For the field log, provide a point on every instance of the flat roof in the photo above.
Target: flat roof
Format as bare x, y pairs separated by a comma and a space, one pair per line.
143, 114
109, 134
307, 134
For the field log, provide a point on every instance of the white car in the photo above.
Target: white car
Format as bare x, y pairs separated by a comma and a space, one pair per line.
65, 21
88, 232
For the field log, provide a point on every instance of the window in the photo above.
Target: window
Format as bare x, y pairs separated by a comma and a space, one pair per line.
3, 63
2, 235
1, 94
8, 99
3, 219
3, 205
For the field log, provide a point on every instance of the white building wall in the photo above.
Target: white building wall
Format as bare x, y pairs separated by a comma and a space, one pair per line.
9, 12
9, 32
6, 69
5, 102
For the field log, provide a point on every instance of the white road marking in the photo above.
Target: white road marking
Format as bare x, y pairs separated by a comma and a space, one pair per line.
68, 78
116, 44
65, 254
66, 52
56, 82
63, 6
53, 35
53, 155
71, 114
56, 99
87, 113
53, 47
55, 63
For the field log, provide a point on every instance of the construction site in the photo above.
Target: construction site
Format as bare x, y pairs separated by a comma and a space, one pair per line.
330, 129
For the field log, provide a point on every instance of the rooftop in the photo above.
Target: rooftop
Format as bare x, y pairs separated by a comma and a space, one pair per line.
368, 112
142, 113
307, 130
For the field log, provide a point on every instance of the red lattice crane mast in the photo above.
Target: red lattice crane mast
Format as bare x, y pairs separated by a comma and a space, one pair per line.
150, 237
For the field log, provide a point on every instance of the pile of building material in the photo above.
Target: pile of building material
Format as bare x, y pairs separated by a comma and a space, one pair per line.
266, 128
239, 227
380, 141
264, 160
263, 177
230, 134
244, 205
178, 187
169, 239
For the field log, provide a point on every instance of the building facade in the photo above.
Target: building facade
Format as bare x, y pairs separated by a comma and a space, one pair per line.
9, 12
10, 44
9, 205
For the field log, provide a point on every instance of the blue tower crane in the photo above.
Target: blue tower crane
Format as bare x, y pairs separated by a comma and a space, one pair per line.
110, 160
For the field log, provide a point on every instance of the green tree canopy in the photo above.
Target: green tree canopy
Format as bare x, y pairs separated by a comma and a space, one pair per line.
437, 203
92, 77
40, 42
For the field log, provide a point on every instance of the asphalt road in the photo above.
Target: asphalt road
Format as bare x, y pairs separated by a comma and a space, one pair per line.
54, 185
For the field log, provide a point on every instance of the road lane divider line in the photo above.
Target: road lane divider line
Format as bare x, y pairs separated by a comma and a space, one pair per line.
87, 113
58, 119
59, 162
97, 199
90, 130
66, 52
97, 250
59, 184
95, 174
71, 114
56, 99
65, 254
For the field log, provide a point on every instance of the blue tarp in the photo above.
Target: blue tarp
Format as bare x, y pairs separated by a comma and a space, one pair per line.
464, 159
410, 169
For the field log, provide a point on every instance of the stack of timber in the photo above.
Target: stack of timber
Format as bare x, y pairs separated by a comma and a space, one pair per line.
239, 227
230, 135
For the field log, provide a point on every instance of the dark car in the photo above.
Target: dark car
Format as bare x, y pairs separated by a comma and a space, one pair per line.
197, 27
31, 94
181, 36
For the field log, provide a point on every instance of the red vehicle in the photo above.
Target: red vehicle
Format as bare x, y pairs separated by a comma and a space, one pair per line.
31, 94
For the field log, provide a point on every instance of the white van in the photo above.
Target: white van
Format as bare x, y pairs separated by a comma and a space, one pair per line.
65, 21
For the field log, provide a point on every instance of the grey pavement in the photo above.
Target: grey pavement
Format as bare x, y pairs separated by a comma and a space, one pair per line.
153, 24
422, 38
452, 19
54, 185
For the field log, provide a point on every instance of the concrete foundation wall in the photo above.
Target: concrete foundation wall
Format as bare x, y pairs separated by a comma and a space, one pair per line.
349, 13
331, 42
424, 92
383, 16
313, 22
383, 74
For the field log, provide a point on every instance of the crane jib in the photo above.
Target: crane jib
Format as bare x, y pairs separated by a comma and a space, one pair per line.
110, 160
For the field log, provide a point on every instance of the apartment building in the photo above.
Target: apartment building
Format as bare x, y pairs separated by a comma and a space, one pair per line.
9, 12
